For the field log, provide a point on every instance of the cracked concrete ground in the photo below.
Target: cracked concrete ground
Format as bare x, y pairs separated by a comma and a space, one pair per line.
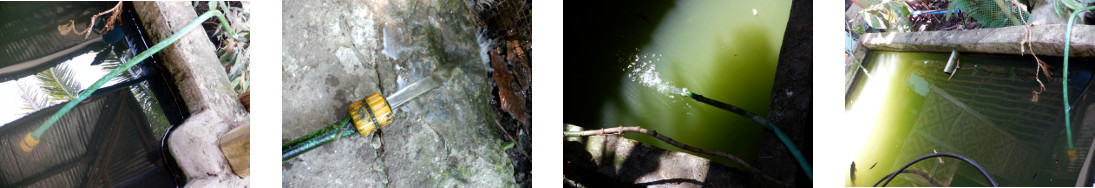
336, 52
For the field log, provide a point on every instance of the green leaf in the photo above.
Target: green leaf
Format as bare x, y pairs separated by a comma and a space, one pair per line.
236, 67
950, 10
508, 146
60, 82
236, 82
244, 85
226, 57
1057, 7
1072, 4
873, 21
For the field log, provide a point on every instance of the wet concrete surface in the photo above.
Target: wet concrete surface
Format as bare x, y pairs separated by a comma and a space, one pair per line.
212, 104
336, 52
791, 107
615, 161
1048, 40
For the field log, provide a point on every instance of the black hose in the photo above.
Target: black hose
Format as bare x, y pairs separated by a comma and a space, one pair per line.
890, 177
763, 122
731, 108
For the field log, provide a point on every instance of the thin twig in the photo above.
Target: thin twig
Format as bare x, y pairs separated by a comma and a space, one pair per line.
109, 23
504, 133
621, 130
957, 66
1040, 64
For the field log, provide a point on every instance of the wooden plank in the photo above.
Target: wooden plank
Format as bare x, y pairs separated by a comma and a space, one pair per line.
236, 146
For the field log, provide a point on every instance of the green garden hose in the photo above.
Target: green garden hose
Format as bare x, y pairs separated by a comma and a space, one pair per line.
368, 115
1064, 80
315, 139
760, 120
365, 117
32, 138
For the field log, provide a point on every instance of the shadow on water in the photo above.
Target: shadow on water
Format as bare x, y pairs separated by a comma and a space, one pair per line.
597, 33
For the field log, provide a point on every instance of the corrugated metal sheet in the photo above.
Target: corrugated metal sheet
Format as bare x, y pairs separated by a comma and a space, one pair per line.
102, 142
30, 40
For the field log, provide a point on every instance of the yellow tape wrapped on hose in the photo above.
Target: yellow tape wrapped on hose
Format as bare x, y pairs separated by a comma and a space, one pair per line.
28, 143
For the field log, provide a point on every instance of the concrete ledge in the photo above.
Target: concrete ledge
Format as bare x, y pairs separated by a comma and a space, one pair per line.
1047, 40
195, 147
205, 88
614, 161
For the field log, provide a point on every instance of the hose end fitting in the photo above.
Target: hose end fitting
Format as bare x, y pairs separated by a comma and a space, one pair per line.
370, 114
28, 143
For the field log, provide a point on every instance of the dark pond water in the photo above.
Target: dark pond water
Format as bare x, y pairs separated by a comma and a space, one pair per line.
627, 63
905, 107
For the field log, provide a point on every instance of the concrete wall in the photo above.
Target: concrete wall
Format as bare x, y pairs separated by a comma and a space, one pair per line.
1046, 40
213, 105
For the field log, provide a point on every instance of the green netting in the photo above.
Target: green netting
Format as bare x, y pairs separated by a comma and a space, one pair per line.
993, 13
893, 14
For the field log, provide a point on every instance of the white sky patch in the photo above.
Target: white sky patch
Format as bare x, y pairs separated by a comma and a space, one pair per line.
86, 74
10, 111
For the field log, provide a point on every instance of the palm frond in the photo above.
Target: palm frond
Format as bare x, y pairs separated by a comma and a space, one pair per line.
60, 82
151, 106
142, 92
33, 98
114, 60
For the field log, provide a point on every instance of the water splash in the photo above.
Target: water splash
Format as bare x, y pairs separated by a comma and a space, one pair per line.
643, 70
393, 41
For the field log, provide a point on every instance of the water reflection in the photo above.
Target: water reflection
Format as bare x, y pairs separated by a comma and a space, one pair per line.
909, 108
629, 66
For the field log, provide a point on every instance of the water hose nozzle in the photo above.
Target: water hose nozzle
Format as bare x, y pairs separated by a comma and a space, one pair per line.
370, 114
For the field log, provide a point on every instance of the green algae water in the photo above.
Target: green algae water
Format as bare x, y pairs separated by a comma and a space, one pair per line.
992, 111
627, 65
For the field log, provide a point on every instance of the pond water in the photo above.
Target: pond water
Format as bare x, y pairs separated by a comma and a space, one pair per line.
627, 63
905, 107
